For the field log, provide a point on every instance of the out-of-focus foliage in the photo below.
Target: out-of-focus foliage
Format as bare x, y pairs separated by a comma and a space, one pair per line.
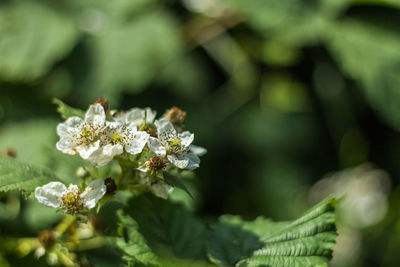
280, 92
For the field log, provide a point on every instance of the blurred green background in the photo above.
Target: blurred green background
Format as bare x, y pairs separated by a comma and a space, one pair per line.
294, 100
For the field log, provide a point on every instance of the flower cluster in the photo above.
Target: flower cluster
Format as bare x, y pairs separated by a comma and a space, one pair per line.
136, 138
99, 140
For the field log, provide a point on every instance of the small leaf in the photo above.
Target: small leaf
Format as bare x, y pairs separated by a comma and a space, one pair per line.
67, 111
174, 181
15, 175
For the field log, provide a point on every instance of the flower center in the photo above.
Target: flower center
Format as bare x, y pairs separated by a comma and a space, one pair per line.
117, 138
71, 202
88, 135
175, 142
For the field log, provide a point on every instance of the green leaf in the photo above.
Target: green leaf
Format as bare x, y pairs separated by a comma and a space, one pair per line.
307, 241
15, 175
67, 111
169, 229
174, 181
289, 20
354, 44
133, 244
39, 147
34, 36
230, 243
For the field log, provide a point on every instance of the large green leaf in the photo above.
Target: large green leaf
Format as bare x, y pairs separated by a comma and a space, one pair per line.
307, 241
370, 54
34, 36
169, 229
15, 175
133, 244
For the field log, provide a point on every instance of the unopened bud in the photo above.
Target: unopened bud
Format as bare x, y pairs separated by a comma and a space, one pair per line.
175, 115
10, 152
46, 238
104, 102
111, 186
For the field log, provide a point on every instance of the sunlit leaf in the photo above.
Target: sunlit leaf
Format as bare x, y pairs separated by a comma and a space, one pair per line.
15, 175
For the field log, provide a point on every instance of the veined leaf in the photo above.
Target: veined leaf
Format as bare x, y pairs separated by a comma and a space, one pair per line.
133, 244
307, 241
67, 111
169, 229
15, 175
176, 182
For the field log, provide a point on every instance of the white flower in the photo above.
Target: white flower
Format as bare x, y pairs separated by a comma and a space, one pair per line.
115, 138
79, 136
57, 195
175, 146
140, 116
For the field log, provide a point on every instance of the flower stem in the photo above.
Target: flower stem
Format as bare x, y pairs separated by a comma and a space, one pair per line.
65, 224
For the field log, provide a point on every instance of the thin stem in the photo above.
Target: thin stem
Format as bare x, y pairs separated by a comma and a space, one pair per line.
65, 224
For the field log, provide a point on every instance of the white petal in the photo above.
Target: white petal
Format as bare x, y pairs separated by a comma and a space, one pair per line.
85, 151
66, 145
39, 252
64, 129
135, 146
164, 126
194, 161
136, 116
95, 115
186, 138
161, 189
113, 125
156, 146
93, 193
105, 154
150, 115
73, 188
142, 168
187, 161
119, 116
111, 150
50, 194
198, 150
